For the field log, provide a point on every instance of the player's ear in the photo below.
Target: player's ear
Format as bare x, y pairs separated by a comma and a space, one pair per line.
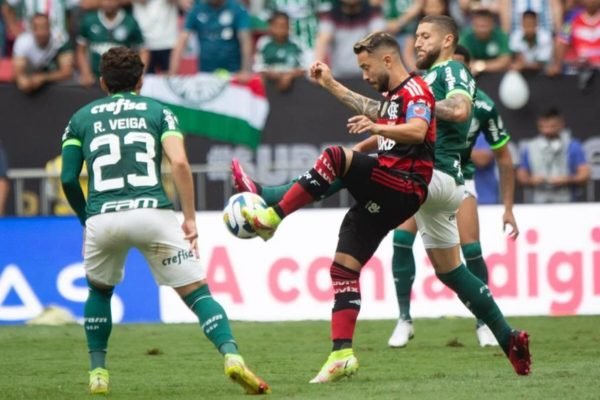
103, 85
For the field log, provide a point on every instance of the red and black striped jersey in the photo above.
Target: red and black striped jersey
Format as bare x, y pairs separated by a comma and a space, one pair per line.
411, 99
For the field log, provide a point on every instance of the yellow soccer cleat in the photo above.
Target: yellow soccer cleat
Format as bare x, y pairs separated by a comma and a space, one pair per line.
264, 221
236, 370
340, 364
99, 381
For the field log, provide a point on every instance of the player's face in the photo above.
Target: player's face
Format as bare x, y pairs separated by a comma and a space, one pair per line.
373, 70
41, 31
550, 127
529, 26
109, 6
428, 45
482, 26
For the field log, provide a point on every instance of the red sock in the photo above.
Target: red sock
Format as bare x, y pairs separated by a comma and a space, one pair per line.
346, 292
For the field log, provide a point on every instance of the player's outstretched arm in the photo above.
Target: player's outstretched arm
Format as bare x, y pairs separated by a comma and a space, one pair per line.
507, 187
356, 102
456, 108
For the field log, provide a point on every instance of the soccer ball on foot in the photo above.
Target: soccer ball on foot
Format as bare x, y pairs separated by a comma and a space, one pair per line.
232, 214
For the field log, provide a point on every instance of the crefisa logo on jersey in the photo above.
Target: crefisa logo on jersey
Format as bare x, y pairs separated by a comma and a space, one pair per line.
197, 89
116, 107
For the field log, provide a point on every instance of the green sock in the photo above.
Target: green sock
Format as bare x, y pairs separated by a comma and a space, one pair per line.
97, 324
403, 269
476, 264
213, 319
273, 194
476, 296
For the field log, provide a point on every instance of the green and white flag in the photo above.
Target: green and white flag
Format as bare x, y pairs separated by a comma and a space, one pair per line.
213, 106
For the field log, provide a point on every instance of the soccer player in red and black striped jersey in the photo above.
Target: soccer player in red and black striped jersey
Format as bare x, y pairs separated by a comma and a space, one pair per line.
388, 189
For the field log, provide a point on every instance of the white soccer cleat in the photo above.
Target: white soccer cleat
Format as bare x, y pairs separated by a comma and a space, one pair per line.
403, 332
485, 336
340, 364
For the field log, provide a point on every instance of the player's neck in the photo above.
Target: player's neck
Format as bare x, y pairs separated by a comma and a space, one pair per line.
397, 78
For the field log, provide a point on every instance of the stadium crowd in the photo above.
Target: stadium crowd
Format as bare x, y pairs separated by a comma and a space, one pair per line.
48, 41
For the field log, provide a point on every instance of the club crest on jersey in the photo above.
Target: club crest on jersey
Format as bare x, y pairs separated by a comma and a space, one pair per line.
196, 89
389, 110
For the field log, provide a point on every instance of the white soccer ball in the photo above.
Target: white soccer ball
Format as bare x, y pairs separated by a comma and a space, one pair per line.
232, 214
513, 90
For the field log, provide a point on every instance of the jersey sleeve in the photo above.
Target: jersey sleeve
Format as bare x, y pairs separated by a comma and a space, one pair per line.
494, 131
576, 156
243, 19
136, 39
191, 20
458, 80
169, 124
83, 37
71, 136
419, 102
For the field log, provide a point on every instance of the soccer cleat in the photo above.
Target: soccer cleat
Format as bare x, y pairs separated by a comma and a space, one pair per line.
236, 370
340, 364
403, 332
99, 381
241, 180
485, 336
518, 352
264, 221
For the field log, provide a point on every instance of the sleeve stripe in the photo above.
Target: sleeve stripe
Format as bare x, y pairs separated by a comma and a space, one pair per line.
71, 142
166, 134
461, 91
500, 143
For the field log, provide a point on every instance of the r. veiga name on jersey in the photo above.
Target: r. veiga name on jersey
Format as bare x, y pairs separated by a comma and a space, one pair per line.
128, 204
116, 107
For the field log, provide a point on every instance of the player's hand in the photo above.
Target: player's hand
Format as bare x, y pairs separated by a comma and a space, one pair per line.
509, 219
361, 124
320, 72
191, 234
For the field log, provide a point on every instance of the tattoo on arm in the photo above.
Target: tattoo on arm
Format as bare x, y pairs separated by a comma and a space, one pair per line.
456, 108
361, 104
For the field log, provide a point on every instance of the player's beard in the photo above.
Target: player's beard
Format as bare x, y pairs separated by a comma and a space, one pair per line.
383, 82
429, 59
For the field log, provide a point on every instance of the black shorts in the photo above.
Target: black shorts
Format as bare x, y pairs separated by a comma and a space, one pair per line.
385, 198
159, 61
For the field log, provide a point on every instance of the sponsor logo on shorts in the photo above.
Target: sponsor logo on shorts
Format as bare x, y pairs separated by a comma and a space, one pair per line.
128, 204
181, 255
373, 207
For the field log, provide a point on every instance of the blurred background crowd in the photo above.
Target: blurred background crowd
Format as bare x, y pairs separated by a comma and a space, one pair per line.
47, 41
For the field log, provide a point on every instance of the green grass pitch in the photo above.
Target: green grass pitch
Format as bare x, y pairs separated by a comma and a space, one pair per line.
176, 362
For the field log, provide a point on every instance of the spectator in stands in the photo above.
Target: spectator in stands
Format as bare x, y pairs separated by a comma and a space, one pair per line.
486, 174
580, 35
4, 183
346, 23
223, 30
550, 14
158, 21
279, 58
19, 13
487, 43
531, 44
110, 26
402, 17
553, 164
304, 22
41, 57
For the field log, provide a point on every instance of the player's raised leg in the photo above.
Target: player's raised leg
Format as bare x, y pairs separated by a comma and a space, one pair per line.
311, 186
403, 269
270, 194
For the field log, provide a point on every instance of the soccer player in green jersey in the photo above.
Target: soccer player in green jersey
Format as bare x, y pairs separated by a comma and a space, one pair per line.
487, 122
122, 138
454, 89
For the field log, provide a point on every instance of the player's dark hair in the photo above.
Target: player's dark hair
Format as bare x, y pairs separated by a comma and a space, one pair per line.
279, 14
376, 40
552, 112
483, 13
529, 13
447, 25
464, 52
121, 69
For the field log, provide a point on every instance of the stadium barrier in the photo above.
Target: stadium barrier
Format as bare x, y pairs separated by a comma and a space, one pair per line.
553, 268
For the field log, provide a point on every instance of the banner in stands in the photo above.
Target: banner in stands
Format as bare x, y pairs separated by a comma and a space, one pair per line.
553, 268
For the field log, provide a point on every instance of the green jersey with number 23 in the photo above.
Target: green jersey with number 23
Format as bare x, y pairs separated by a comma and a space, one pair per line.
120, 138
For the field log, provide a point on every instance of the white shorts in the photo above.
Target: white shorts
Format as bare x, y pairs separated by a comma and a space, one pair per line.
436, 219
155, 233
470, 190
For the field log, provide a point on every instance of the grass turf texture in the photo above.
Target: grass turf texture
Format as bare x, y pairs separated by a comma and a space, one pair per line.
444, 361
